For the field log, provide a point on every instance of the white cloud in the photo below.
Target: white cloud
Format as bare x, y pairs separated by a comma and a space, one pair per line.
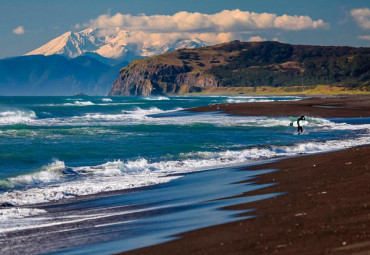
18, 30
140, 37
364, 37
256, 39
226, 21
362, 17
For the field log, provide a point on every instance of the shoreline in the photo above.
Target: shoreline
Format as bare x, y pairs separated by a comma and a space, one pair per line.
325, 209
325, 107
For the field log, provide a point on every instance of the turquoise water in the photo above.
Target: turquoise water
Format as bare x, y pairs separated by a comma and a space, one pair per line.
58, 149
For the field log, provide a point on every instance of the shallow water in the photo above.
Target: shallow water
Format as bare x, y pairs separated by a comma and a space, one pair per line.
57, 149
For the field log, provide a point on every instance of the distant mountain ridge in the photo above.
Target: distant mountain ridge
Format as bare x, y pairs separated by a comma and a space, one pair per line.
87, 61
120, 45
55, 75
245, 64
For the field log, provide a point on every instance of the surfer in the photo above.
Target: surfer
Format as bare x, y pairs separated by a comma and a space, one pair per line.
300, 129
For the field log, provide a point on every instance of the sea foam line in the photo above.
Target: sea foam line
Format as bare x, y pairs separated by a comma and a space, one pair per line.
118, 175
140, 116
147, 117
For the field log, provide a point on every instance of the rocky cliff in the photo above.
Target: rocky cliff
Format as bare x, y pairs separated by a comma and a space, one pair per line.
243, 64
165, 74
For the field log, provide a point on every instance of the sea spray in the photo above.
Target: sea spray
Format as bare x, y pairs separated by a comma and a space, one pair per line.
11, 117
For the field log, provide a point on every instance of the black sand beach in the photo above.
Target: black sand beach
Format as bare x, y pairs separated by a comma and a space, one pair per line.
326, 211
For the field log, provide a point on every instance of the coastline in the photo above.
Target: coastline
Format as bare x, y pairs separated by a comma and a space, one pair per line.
325, 107
325, 210
311, 90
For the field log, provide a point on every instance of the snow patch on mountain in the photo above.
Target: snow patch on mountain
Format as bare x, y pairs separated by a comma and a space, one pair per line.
116, 44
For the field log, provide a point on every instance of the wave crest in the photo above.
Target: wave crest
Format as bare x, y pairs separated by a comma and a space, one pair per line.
49, 173
17, 117
79, 103
156, 98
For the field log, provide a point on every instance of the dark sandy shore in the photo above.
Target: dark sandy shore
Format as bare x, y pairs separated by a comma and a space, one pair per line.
326, 210
326, 107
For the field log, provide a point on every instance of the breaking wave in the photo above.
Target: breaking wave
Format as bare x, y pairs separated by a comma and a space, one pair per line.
79, 103
156, 116
156, 98
245, 99
17, 117
49, 173
57, 181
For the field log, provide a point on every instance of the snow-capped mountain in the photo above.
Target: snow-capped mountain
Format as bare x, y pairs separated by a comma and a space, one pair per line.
115, 44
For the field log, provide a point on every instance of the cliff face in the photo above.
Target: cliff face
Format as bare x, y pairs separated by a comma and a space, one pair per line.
242, 64
144, 79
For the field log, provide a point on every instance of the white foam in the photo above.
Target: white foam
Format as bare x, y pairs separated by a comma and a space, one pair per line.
17, 117
248, 99
136, 115
140, 116
18, 213
327, 124
50, 173
147, 116
79, 103
245, 99
156, 98
107, 100
94, 183
118, 175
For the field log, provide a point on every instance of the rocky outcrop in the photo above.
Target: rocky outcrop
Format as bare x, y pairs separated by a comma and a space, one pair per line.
144, 79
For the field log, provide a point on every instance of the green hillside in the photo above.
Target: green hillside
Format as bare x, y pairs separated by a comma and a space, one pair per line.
247, 64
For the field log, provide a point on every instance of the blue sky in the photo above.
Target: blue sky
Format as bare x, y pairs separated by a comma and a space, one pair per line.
26, 25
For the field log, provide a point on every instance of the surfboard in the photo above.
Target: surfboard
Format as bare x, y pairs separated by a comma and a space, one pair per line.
301, 122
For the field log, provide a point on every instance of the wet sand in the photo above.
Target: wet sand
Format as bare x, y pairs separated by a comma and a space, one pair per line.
326, 107
326, 210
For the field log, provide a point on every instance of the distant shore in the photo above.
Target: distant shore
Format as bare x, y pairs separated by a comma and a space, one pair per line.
309, 90
325, 210
327, 107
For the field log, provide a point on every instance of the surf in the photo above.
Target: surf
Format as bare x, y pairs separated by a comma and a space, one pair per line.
118, 174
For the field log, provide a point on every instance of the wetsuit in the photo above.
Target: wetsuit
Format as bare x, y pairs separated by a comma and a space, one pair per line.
300, 129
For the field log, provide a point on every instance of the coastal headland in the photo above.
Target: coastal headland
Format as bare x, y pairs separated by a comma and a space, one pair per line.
325, 207
235, 67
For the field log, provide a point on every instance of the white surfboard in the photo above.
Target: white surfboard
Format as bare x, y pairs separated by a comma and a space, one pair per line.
301, 123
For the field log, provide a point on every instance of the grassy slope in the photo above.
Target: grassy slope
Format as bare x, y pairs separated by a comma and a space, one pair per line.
294, 90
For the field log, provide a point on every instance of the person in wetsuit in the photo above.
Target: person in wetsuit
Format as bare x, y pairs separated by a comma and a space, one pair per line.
300, 129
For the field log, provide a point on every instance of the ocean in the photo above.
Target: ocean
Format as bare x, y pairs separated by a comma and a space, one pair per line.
97, 175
